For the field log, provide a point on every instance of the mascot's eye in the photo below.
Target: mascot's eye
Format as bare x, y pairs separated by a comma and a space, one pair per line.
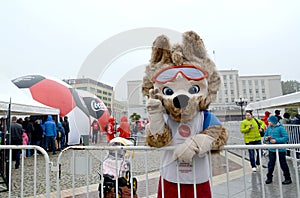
194, 89
167, 91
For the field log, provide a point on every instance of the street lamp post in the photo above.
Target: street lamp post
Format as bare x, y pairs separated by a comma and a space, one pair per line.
241, 102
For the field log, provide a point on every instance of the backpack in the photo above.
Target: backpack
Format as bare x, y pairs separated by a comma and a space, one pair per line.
95, 126
262, 133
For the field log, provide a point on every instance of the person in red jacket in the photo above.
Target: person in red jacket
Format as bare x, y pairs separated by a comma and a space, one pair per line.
124, 128
110, 129
265, 118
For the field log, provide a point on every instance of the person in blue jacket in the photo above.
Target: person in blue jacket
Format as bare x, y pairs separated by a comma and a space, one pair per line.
50, 133
276, 134
60, 136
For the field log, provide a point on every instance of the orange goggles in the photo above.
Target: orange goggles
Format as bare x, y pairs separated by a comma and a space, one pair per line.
190, 72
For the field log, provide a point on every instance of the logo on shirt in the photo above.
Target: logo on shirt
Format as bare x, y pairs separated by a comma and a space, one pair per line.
184, 130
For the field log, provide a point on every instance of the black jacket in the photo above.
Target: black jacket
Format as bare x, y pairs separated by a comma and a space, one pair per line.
16, 133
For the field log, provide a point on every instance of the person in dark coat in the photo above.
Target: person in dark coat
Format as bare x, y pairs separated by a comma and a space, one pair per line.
277, 114
66, 126
16, 138
37, 135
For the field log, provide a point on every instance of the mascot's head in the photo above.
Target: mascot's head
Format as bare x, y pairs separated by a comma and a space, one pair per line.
183, 74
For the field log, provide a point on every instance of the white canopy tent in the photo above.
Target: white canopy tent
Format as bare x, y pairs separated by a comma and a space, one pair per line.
286, 101
21, 104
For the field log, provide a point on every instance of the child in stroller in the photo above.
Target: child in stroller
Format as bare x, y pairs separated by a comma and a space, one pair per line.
115, 172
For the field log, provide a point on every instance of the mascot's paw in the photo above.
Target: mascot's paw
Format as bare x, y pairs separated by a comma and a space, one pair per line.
198, 144
185, 152
158, 140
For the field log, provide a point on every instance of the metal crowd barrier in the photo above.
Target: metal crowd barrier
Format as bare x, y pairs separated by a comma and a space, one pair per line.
294, 136
77, 170
144, 151
15, 178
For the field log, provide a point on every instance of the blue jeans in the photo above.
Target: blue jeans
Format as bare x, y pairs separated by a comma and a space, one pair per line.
62, 142
50, 139
28, 151
283, 165
95, 137
252, 154
18, 153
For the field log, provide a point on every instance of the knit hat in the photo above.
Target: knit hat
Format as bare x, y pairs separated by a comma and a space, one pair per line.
267, 113
273, 119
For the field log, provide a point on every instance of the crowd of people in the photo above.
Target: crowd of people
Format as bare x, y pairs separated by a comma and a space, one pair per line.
268, 130
47, 133
52, 135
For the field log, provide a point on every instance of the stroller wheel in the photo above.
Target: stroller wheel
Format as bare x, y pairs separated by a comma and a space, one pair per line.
120, 193
134, 184
100, 192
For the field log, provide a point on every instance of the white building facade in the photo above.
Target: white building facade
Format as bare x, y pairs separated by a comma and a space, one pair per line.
248, 88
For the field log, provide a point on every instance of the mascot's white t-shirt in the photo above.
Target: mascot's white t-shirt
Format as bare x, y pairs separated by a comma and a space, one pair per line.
180, 132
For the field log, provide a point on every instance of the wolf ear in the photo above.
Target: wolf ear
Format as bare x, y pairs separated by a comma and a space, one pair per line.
161, 50
193, 46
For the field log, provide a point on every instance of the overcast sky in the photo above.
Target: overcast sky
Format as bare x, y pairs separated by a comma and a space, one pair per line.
54, 38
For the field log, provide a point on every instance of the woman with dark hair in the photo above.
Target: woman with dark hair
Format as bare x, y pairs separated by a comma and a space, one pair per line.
286, 118
251, 128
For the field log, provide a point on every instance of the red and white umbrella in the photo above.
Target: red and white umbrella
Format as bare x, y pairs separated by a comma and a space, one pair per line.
58, 94
96, 107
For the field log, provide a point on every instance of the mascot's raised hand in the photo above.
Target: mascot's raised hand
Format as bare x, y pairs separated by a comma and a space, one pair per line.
155, 112
198, 144
156, 129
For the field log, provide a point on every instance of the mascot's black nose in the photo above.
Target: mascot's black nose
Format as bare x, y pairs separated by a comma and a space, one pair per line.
181, 101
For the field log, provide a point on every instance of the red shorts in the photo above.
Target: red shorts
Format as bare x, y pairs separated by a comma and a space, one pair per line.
186, 190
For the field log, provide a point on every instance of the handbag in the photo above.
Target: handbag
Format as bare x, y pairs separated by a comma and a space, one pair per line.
262, 133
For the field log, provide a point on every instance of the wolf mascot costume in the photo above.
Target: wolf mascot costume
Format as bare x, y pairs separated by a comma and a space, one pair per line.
180, 82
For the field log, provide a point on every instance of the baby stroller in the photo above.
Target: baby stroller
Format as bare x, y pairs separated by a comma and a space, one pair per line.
115, 172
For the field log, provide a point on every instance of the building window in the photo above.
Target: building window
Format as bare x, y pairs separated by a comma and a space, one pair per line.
256, 82
225, 84
226, 100
263, 90
230, 77
262, 82
251, 99
224, 77
256, 91
243, 82
93, 90
250, 91
82, 88
249, 82
244, 91
232, 92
